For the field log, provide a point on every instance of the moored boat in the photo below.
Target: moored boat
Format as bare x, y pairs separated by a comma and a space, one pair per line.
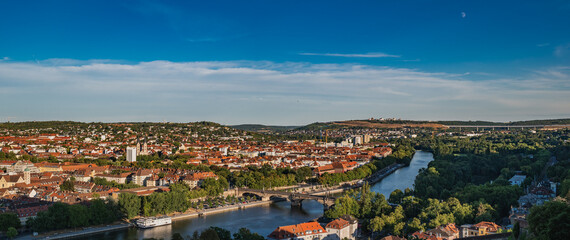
153, 222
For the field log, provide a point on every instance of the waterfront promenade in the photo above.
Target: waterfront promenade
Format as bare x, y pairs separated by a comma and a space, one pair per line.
379, 175
71, 234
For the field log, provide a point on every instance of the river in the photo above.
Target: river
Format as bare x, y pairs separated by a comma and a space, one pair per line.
264, 219
404, 177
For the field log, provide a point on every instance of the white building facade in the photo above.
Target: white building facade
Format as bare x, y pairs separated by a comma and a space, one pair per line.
131, 154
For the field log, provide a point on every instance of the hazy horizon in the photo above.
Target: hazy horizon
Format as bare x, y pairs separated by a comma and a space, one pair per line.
271, 124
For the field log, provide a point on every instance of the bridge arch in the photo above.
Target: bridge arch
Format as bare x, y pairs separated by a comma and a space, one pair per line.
296, 199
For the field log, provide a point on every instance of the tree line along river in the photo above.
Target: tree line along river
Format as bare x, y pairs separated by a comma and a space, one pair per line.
264, 219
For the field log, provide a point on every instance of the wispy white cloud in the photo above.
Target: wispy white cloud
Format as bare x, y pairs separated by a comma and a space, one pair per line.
276, 93
562, 50
352, 55
5, 59
463, 15
76, 62
543, 44
411, 60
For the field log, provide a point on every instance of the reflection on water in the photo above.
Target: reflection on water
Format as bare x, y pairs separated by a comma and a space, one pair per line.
404, 177
156, 231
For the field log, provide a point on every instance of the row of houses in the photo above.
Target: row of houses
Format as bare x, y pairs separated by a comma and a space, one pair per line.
451, 231
341, 228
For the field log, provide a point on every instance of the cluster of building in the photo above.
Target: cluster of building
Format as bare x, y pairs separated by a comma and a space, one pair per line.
346, 227
30, 187
217, 145
41, 160
451, 231
99, 140
237, 155
22, 180
537, 194
338, 229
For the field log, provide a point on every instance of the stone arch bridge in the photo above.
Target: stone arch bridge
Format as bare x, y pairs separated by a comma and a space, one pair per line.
296, 199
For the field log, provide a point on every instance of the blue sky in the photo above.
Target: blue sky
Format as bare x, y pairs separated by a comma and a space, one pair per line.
284, 62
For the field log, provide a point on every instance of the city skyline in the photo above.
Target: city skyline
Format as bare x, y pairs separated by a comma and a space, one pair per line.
284, 63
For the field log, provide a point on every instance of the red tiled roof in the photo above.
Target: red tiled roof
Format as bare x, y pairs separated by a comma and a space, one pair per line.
302, 229
338, 224
491, 227
423, 235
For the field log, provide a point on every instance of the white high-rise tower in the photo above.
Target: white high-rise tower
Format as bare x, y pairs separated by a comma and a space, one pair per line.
131, 154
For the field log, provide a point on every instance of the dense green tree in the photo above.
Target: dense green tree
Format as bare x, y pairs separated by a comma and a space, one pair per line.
78, 216
158, 203
415, 225
209, 234
195, 235
11, 233
345, 205
500, 197
41, 223
67, 185
59, 214
146, 207
302, 174
484, 212
177, 236
396, 196
130, 204
223, 234
411, 205
8, 220
99, 212
463, 213
246, 234
392, 223
215, 187
551, 220
516, 230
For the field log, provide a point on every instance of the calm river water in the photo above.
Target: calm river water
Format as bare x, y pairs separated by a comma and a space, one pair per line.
404, 177
264, 219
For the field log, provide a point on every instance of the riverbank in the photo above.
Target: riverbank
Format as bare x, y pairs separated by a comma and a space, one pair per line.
114, 227
205, 212
379, 175
404, 177
73, 234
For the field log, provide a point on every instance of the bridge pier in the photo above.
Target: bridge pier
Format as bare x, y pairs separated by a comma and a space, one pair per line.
296, 199
298, 203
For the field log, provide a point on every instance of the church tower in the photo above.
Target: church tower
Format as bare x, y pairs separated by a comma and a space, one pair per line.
27, 176
145, 148
138, 147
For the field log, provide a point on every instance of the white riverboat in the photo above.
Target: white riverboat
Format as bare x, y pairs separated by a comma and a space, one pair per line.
153, 222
